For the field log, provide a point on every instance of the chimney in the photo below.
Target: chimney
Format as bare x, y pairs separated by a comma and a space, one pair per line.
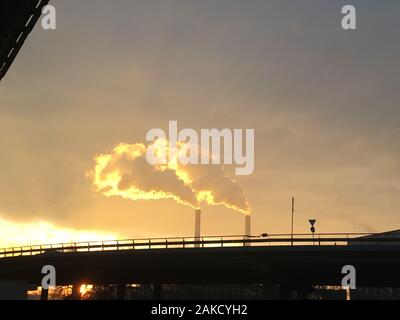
197, 227
247, 228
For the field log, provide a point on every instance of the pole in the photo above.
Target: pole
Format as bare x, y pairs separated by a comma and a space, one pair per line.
292, 219
247, 229
197, 228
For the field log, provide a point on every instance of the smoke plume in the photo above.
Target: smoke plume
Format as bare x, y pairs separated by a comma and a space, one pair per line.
125, 172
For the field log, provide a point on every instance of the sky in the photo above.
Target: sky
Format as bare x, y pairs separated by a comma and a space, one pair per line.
324, 104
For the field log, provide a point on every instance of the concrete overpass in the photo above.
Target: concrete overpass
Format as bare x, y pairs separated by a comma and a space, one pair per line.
218, 260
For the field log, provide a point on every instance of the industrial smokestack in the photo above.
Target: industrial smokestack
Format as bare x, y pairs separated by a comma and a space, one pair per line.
197, 227
247, 228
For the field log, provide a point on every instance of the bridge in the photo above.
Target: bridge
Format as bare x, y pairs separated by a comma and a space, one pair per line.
18, 18
291, 261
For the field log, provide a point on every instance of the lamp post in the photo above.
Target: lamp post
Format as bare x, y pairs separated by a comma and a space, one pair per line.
291, 233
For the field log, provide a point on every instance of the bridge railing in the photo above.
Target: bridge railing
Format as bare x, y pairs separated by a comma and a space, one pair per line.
203, 242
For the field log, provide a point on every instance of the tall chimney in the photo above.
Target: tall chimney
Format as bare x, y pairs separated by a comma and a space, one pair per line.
247, 228
197, 227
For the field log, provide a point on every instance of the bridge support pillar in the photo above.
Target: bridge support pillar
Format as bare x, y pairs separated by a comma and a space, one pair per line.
44, 294
157, 291
284, 292
267, 291
302, 292
121, 292
76, 291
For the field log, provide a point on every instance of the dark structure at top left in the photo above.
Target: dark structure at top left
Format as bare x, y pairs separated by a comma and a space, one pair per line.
17, 19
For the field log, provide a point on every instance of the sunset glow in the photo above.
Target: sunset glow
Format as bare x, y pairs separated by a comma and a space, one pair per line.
40, 232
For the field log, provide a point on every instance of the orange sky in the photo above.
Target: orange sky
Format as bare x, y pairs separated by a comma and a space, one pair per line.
323, 103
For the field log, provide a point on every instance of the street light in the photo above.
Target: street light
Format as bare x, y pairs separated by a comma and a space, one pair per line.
291, 231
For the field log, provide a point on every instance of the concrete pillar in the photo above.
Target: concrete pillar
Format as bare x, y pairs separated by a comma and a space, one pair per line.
44, 294
157, 291
76, 291
267, 291
284, 292
121, 291
302, 291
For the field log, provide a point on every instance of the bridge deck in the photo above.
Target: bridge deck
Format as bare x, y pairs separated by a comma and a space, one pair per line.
202, 242
228, 261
